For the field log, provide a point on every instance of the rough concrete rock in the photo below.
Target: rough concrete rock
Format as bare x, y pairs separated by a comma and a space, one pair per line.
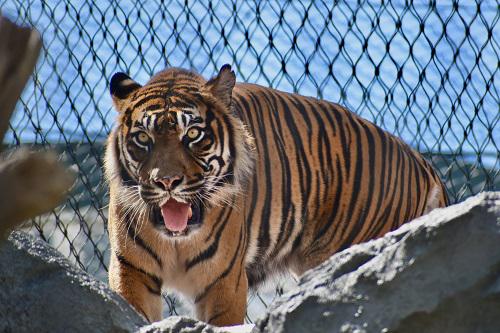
41, 291
438, 273
175, 324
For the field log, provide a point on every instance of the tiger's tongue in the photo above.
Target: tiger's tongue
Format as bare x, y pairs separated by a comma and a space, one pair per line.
175, 215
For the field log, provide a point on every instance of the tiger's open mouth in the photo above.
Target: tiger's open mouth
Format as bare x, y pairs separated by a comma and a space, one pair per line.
177, 218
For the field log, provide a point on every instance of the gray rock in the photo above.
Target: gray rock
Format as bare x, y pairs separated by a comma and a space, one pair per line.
439, 273
175, 324
41, 291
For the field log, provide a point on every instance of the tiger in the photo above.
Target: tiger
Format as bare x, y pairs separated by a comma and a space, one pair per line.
214, 186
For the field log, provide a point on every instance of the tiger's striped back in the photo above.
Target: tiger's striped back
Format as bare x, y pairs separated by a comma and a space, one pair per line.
325, 179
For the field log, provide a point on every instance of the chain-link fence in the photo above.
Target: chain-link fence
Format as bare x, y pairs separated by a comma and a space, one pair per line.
426, 71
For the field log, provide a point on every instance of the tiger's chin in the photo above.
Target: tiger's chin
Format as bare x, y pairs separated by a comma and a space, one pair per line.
192, 213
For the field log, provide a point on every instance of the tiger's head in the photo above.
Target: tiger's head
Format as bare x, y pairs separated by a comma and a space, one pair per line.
179, 148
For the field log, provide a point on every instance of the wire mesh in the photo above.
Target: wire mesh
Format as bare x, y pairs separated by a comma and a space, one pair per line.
426, 71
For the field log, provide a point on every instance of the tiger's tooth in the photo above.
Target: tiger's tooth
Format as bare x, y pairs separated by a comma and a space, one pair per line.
190, 213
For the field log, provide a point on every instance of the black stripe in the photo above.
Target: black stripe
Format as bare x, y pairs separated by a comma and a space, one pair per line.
326, 162
244, 110
381, 191
303, 160
328, 109
143, 99
335, 172
392, 178
331, 227
317, 202
125, 176
220, 139
277, 132
302, 167
147, 191
407, 179
263, 239
297, 241
183, 104
216, 315
197, 177
291, 225
210, 251
220, 161
193, 188
336, 205
322, 142
139, 309
226, 271
156, 280
370, 178
299, 104
154, 107
232, 147
355, 190
135, 154
242, 266
139, 241
151, 88
339, 114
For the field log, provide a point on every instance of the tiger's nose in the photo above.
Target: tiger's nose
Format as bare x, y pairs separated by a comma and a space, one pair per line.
168, 182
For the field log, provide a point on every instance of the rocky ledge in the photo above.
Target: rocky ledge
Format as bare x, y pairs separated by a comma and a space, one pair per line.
41, 291
438, 273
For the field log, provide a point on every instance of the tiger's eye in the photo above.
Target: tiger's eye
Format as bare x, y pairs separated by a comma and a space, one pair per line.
193, 133
143, 138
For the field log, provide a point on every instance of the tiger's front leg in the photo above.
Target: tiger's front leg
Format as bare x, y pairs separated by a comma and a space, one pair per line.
140, 289
224, 302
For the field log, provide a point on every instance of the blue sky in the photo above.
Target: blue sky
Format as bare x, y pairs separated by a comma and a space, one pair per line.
423, 82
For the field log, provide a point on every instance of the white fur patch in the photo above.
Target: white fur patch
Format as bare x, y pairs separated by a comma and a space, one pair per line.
127, 82
433, 199
154, 173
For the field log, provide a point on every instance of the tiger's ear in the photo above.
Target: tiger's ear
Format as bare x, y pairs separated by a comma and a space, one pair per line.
222, 85
120, 88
